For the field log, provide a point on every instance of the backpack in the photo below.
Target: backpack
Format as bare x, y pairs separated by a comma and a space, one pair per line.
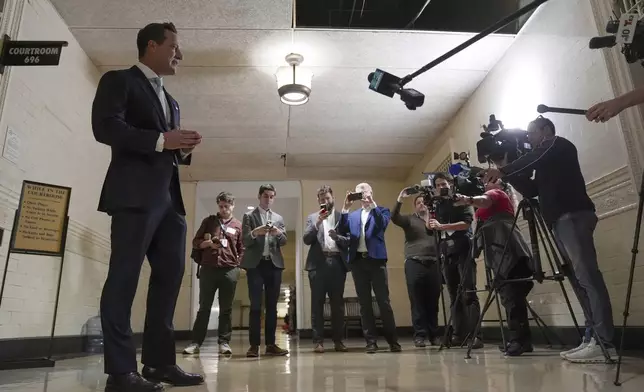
197, 253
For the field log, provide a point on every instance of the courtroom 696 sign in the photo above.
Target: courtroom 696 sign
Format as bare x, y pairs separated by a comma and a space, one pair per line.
30, 53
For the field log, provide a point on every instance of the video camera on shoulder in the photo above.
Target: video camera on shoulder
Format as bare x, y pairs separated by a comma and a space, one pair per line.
498, 144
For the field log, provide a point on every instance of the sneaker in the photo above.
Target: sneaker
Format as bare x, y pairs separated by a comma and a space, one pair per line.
371, 348
274, 349
319, 349
395, 348
224, 348
516, 348
420, 343
192, 349
340, 347
592, 353
253, 352
564, 354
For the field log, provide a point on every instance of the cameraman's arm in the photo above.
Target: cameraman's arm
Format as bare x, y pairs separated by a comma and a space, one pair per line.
397, 218
525, 186
528, 162
606, 110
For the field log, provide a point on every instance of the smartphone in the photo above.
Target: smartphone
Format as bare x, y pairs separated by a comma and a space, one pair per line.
269, 224
354, 196
323, 207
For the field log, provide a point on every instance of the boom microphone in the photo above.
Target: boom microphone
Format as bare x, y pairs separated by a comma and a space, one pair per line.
544, 109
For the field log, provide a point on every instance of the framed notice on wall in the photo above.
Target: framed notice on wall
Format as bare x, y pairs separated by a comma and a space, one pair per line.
40, 226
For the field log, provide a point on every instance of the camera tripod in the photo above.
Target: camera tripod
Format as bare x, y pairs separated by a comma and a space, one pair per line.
539, 233
629, 289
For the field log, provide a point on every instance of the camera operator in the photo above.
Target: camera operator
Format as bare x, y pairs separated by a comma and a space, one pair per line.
567, 209
495, 220
604, 111
454, 223
422, 269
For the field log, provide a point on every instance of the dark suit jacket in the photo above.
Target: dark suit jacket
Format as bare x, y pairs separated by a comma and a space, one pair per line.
128, 117
254, 247
377, 222
315, 238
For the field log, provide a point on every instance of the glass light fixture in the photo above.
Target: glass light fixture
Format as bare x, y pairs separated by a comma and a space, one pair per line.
293, 81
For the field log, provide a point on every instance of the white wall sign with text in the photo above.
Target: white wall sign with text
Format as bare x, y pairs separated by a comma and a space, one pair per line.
11, 150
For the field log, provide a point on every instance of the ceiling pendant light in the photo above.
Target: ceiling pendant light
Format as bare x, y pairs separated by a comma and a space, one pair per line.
293, 81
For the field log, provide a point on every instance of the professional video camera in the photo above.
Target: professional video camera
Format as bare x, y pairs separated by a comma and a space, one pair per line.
628, 31
467, 179
467, 182
497, 143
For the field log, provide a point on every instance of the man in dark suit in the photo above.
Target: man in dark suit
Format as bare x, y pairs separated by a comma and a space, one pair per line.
134, 115
264, 234
368, 259
327, 266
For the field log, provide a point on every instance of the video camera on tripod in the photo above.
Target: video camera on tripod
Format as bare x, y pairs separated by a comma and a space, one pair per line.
628, 31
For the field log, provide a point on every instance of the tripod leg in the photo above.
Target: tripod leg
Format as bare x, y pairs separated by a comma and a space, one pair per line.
629, 288
498, 308
542, 325
488, 303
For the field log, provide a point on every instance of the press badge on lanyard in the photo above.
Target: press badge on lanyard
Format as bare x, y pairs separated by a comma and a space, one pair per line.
224, 229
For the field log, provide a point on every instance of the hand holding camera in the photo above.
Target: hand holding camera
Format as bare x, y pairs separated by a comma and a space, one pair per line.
323, 214
460, 200
207, 241
351, 198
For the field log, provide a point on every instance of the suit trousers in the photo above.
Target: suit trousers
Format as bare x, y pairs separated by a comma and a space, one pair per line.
159, 233
211, 280
328, 278
265, 277
424, 282
371, 274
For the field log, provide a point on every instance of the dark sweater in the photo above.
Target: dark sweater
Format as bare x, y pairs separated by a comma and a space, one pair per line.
420, 243
558, 181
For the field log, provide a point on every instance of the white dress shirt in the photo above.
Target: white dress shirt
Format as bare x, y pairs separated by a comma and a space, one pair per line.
266, 217
157, 84
329, 224
364, 216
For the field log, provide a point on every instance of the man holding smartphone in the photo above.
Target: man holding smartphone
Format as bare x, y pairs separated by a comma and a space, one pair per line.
365, 228
264, 234
327, 267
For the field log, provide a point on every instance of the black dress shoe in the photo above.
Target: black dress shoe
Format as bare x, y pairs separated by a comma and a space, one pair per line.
130, 382
172, 375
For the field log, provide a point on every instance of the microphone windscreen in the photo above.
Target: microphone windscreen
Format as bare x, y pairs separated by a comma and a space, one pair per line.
602, 42
542, 108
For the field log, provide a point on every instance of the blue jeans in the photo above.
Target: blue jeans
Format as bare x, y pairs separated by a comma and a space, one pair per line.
574, 235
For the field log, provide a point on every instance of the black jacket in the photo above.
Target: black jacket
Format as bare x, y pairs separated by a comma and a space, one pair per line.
491, 237
128, 117
558, 181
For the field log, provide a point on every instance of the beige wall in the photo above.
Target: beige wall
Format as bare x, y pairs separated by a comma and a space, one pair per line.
533, 72
50, 108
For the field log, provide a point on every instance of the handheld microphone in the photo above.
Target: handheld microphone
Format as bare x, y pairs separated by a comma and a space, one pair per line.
544, 109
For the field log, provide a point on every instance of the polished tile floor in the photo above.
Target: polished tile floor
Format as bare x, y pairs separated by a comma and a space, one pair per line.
412, 370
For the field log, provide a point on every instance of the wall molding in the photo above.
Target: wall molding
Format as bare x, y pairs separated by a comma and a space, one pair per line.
630, 121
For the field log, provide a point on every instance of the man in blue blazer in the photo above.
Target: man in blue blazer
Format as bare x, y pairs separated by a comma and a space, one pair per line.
135, 116
365, 228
